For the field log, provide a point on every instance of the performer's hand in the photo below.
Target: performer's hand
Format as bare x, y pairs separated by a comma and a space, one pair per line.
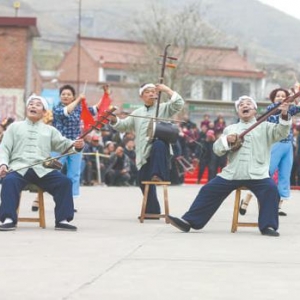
284, 107
160, 87
79, 144
3, 170
81, 97
112, 118
297, 87
231, 138
234, 142
297, 90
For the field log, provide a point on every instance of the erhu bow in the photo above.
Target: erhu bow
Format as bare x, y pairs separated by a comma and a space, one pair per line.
53, 162
102, 121
161, 129
240, 137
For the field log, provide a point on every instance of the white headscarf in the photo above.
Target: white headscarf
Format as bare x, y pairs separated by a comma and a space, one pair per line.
242, 98
146, 86
43, 100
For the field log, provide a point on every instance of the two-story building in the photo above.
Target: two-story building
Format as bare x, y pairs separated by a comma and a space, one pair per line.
213, 77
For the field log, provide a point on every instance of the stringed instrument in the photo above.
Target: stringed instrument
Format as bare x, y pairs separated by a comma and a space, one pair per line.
54, 163
165, 131
262, 118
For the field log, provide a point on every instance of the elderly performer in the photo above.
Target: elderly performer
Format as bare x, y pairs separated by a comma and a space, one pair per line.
247, 166
152, 157
26, 143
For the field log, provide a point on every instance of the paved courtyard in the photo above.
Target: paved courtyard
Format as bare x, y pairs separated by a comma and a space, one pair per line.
114, 257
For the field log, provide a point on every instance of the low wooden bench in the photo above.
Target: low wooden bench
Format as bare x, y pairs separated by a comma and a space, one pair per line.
41, 211
235, 218
147, 184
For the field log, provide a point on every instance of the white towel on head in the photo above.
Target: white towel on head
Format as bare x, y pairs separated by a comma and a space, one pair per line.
43, 100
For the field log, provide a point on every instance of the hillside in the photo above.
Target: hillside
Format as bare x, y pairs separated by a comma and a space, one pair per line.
268, 35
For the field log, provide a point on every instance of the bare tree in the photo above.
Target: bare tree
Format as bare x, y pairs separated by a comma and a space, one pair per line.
184, 30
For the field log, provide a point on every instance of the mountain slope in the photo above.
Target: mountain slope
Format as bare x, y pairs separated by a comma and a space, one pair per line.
267, 34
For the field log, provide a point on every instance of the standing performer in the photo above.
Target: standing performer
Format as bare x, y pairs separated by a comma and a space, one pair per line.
152, 158
247, 166
66, 118
24, 144
281, 152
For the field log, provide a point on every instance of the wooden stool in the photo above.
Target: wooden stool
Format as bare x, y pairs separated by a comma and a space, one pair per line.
147, 184
41, 218
235, 218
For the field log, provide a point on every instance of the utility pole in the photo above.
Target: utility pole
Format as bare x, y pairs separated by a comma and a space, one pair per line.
79, 46
16, 7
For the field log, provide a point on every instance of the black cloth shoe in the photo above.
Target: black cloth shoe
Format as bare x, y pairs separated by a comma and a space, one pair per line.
243, 210
270, 232
65, 226
281, 213
35, 206
7, 227
179, 224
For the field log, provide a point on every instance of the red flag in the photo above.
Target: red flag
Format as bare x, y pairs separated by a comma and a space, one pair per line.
105, 103
86, 116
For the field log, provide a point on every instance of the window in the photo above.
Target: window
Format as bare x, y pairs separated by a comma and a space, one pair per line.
239, 89
212, 90
186, 86
112, 75
113, 78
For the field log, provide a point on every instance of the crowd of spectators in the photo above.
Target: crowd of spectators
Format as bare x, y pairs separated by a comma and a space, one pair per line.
109, 156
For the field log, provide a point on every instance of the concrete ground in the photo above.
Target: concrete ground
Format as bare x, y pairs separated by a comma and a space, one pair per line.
114, 257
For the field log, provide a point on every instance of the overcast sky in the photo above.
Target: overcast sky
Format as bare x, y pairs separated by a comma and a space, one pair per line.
291, 7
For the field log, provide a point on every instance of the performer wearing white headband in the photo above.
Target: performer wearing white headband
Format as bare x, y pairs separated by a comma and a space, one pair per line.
25, 144
146, 86
43, 100
152, 158
247, 166
238, 101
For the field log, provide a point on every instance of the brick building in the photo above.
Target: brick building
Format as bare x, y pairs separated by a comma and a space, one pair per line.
215, 74
18, 76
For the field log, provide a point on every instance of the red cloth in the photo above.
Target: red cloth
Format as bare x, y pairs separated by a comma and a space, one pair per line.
86, 116
105, 103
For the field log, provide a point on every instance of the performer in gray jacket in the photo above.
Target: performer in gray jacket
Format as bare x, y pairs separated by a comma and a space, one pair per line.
24, 145
152, 157
247, 166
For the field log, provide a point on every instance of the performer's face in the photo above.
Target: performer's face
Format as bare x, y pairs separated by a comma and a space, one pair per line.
35, 110
246, 110
279, 97
66, 97
149, 96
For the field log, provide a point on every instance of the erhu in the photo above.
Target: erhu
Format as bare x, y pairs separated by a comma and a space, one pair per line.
53, 162
158, 128
240, 137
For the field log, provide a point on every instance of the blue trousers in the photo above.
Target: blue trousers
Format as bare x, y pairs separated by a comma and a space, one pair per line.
211, 196
282, 160
55, 183
157, 164
73, 171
